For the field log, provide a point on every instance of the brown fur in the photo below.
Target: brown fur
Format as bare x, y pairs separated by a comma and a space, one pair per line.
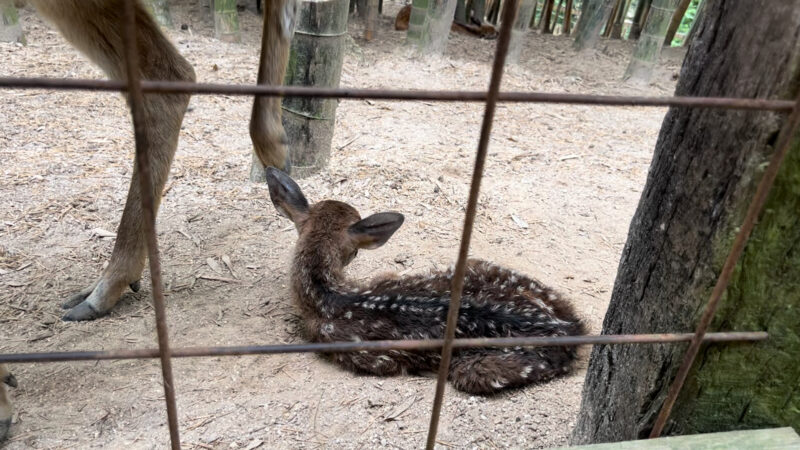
496, 302
94, 27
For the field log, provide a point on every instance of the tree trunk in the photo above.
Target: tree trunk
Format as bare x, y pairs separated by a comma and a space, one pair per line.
160, 10
595, 13
226, 21
680, 11
702, 177
461, 12
638, 19
315, 59
619, 22
611, 18
429, 24
10, 29
361, 9
567, 17
546, 14
555, 16
371, 30
479, 10
526, 10
648, 48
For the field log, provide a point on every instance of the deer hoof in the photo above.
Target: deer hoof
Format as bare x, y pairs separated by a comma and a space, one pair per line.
75, 300
84, 311
10, 380
136, 285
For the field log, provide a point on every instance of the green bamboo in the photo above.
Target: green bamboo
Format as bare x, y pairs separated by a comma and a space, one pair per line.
160, 10
648, 48
315, 59
10, 29
594, 15
226, 21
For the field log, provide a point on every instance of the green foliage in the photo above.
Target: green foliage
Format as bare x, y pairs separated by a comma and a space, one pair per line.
686, 23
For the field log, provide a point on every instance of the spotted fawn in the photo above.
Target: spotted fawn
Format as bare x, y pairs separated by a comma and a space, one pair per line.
496, 302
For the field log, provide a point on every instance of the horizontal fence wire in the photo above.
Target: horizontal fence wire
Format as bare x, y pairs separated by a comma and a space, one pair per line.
136, 88
392, 94
409, 344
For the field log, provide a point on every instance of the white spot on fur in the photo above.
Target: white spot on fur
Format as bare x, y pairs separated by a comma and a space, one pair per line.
526, 371
498, 384
348, 315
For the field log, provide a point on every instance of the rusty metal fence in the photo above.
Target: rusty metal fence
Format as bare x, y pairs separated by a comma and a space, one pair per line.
136, 88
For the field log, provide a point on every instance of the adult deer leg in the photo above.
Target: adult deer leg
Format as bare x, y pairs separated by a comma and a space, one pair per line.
266, 129
95, 27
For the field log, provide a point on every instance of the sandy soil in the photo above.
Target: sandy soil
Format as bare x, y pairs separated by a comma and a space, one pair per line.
572, 174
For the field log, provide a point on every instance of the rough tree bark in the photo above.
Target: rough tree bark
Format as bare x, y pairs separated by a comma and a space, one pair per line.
677, 17
704, 171
648, 48
594, 15
10, 29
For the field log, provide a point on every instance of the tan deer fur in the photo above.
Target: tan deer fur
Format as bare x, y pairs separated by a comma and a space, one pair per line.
95, 28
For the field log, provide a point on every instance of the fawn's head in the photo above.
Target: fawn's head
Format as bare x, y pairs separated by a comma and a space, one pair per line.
329, 225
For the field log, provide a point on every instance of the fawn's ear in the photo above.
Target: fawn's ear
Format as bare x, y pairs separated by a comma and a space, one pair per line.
286, 196
375, 230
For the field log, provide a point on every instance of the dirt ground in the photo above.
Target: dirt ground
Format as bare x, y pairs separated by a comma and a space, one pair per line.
561, 185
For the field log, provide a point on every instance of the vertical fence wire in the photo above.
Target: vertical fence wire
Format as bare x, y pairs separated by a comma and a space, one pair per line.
137, 105
509, 13
133, 86
783, 144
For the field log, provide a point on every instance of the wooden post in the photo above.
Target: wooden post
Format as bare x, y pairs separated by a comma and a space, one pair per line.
226, 21
370, 31
648, 49
10, 30
315, 59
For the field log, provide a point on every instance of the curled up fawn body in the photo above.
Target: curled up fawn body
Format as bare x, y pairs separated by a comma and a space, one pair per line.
496, 302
